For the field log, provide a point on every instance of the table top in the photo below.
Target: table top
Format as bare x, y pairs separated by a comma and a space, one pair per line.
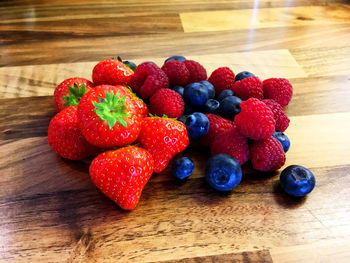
50, 211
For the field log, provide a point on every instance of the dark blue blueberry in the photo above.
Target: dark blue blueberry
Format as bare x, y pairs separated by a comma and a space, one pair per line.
189, 109
130, 64
178, 89
223, 172
243, 75
183, 118
225, 93
197, 125
229, 107
211, 106
211, 90
182, 167
179, 58
297, 180
196, 94
283, 139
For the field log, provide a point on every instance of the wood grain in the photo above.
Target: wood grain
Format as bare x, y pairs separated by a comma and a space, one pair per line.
50, 211
26, 81
264, 18
164, 45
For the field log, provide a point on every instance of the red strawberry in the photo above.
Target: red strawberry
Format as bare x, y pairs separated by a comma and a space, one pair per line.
108, 117
140, 105
163, 138
113, 72
69, 92
122, 174
65, 137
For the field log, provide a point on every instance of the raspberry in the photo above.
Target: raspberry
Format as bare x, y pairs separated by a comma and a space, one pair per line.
197, 71
222, 78
232, 143
248, 88
279, 90
167, 102
282, 120
177, 73
267, 155
255, 120
217, 125
147, 79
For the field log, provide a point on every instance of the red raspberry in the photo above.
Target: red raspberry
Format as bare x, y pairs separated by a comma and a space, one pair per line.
197, 71
177, 72
232, 143
279, 90
282, 120
222, 78
147, 79
217, 125
267, 155
255, 120
248, 88
167, 102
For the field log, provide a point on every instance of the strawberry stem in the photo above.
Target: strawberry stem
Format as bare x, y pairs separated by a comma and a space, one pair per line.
112, 109
75, 94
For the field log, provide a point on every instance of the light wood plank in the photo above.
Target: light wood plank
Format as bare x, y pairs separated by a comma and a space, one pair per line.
335, 250
264, 18
319, 140
324, 61
40, 80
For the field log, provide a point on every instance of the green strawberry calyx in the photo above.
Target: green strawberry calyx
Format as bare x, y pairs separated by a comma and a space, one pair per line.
75, 94
112, 109
150, 115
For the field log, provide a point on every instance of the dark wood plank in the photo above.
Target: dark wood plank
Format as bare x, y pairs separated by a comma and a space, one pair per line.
163, 45
15, 9
262, 256
73, 28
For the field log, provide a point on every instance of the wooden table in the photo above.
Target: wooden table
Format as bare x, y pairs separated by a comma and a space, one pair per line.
51, 212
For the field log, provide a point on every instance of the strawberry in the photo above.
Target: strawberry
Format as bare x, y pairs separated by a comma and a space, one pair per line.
163, 138
65, 137
140, 105
69, 92
113, 72
122, 174
108, 116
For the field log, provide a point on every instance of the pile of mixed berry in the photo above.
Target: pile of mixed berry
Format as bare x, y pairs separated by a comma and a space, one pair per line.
136, 119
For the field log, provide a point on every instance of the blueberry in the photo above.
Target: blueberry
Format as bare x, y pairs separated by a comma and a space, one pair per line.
223, 172
211, 106
183, 118
189, 109
283, 139
179, 58
182, 167
178, 89
211, 90
197, 125
130, 64
297, 180
225, 93
243, 75
196, 94
229, 107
